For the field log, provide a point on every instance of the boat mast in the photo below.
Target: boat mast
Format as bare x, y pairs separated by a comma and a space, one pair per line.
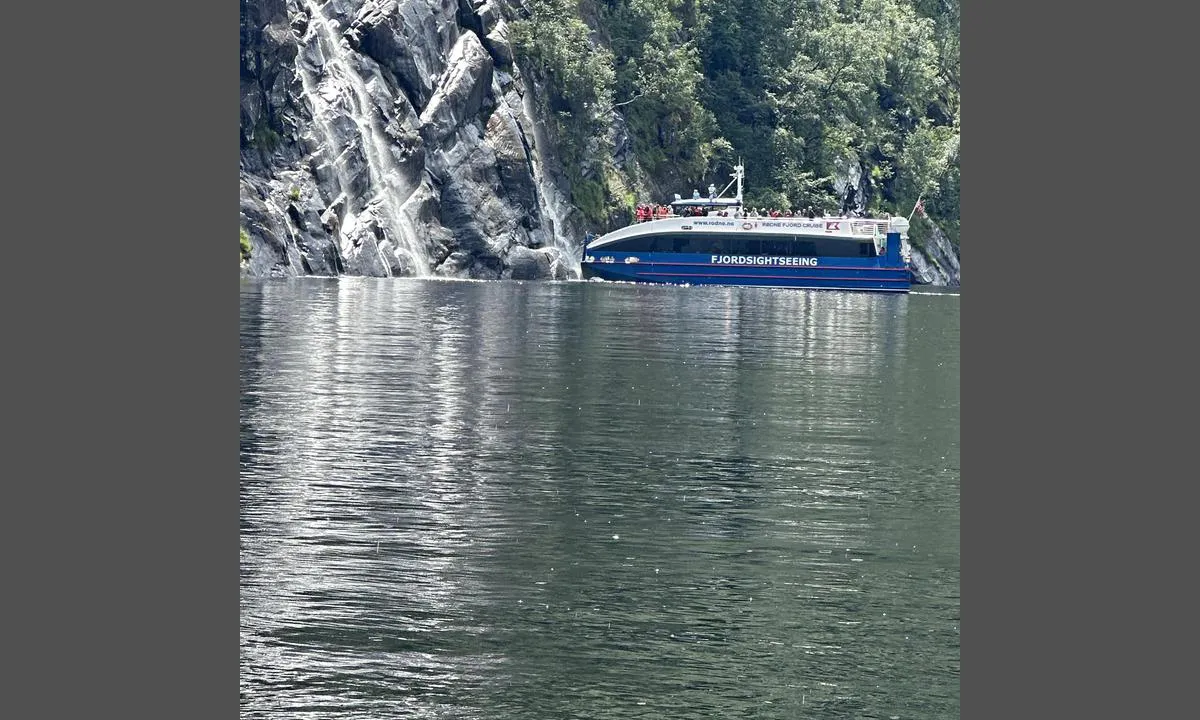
739, 172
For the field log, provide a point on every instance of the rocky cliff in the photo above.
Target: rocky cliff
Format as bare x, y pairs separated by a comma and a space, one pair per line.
394, 137
935, 260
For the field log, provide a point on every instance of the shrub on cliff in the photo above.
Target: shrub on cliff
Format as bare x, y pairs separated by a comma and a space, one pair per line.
245, 245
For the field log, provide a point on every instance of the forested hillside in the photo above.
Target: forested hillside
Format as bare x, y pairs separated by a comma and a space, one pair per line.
646, 98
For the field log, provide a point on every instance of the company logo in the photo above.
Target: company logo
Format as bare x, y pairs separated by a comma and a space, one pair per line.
763, 260
747, 226
834, 225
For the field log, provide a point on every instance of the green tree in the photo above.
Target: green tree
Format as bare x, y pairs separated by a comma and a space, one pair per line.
555, 45
796, 88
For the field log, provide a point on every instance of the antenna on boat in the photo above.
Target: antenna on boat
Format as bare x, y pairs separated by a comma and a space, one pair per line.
737, 174
739, 171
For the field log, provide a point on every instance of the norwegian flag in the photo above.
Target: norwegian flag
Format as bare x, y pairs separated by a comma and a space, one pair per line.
921, 208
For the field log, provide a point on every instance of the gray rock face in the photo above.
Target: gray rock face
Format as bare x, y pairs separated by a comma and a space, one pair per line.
938, 264
496, 41
378, 137
488, 14
526, 264
935, 263
459, 98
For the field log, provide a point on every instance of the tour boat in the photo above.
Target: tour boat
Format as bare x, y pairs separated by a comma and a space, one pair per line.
726, 245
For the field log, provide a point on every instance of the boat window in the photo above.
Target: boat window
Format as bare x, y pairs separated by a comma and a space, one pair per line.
634, 244
804, 246
777, 246
660, 243
707, 243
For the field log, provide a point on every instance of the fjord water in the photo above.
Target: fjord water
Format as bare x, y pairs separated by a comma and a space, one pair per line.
590, 500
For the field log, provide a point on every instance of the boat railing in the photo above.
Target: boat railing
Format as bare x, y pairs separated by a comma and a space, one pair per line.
861, 227
869, 227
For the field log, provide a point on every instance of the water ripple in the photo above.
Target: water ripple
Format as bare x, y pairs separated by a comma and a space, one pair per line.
520, 500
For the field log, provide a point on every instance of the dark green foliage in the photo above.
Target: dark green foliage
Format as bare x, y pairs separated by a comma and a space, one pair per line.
807, 92
265, 138
245, 245
554, 46
658, 78
588, 196
553, 43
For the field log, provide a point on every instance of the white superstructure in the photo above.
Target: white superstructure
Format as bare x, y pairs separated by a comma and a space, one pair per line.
726, 215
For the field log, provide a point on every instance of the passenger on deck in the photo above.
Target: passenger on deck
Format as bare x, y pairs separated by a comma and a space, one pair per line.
848, 204
787, 213
662, 211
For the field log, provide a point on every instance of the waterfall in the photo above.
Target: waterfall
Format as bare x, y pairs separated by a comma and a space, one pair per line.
336, 91
553, 205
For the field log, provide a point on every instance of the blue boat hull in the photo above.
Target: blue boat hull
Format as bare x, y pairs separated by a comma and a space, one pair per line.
834, 273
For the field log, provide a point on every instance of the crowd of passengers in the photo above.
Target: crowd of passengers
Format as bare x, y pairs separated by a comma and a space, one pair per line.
646, 211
